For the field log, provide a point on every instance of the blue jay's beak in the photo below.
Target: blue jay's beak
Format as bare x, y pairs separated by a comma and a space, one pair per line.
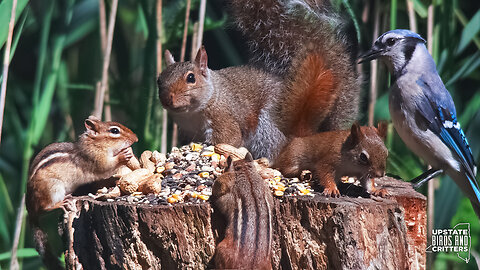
369, 55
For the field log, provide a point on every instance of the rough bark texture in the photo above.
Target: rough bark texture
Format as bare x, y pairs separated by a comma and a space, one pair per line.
349, 232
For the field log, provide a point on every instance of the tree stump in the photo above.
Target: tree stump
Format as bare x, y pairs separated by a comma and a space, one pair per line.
309, 233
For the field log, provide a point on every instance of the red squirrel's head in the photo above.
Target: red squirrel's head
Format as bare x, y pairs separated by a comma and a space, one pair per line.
184, 86
366, 151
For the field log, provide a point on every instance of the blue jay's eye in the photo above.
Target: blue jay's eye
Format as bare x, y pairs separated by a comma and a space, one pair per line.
191, 78
390, 41
114, 130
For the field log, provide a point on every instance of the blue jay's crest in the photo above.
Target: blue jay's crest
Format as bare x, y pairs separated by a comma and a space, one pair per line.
400, 33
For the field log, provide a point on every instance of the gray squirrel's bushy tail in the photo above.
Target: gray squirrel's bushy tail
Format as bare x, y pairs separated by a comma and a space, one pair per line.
282, 36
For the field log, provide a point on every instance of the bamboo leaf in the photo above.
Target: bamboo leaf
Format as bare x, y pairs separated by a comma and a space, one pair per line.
5, 10
420, 8
21, 253
469, 32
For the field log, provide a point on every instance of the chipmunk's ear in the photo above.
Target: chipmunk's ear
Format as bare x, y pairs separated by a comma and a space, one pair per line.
229, 167
92, 125
356, 133
382, 129
201, 60
169, 58
248, 157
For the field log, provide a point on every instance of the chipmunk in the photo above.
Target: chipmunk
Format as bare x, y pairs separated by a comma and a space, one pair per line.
246, 203
60, 168
358, 152
303, 80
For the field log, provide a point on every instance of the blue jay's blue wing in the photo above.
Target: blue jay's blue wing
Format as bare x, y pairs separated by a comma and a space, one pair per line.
439, 111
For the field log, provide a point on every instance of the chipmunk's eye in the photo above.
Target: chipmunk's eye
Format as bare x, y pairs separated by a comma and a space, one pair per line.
364, 158
191, 78
114, 130
390, 41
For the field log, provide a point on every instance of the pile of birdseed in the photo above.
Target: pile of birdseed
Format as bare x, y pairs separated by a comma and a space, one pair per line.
189, 172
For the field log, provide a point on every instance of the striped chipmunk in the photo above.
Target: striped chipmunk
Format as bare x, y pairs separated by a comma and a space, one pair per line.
243, 200
60, 168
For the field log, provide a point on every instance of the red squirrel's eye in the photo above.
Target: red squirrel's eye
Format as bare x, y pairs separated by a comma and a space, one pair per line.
191, 78
363, 158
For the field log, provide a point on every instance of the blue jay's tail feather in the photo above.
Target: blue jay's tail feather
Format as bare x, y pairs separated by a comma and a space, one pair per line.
475, 203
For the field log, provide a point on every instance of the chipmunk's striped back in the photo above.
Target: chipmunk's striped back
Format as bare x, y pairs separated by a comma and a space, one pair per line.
245, 201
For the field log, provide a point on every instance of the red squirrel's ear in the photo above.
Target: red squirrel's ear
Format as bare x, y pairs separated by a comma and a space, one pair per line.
92, 125
248, 157
382, 129
169, 58
356, 133
201, 60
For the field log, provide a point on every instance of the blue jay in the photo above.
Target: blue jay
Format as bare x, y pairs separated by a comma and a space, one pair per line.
423, 112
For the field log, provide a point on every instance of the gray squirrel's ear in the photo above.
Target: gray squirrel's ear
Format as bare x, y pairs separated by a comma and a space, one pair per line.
169, 58
382, 129
201, 60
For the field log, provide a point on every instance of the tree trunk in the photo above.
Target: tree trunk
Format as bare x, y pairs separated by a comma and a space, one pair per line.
309, 233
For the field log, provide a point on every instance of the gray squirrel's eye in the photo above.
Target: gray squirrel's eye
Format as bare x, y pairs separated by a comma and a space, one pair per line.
191, 78
390, 41
114, 130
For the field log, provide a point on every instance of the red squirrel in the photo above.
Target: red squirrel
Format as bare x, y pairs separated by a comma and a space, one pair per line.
60, 168
303, 80
358, 152
245, 201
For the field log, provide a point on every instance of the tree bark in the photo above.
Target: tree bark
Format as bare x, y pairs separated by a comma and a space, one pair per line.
349, 232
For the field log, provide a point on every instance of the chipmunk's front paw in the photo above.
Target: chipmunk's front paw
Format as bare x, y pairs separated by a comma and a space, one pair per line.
125, 155
331, 192
380, 192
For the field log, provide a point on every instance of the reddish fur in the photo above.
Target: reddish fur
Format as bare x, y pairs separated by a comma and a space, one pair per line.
316, 88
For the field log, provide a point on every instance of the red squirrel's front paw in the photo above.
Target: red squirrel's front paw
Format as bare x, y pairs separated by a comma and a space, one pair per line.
331, 192
380, 192
125, 155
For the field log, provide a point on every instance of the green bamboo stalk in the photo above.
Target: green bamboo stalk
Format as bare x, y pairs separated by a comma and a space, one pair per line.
6, 63
393, 14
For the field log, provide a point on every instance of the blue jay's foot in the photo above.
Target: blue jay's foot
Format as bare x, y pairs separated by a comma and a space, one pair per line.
418, 181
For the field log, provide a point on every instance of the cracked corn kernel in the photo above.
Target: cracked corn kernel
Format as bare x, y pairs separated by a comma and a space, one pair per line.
278, 193
172, 199
204, 174
304, 191
196, 147
216, 157
160, 169
175, 196
203, 197
208, 153
277, 178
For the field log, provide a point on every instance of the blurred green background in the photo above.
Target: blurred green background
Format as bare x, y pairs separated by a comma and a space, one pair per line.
56, 62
